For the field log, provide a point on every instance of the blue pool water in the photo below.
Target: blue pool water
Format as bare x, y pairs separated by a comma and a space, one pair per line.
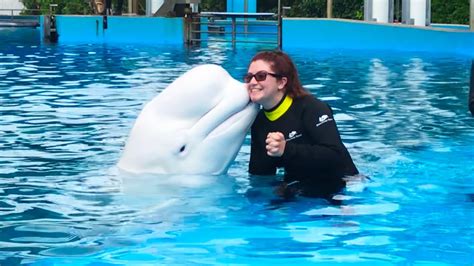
66, 112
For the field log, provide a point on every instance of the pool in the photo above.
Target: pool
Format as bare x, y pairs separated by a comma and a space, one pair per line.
66, 112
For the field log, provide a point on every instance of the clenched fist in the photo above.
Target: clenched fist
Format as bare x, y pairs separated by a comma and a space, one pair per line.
275, 144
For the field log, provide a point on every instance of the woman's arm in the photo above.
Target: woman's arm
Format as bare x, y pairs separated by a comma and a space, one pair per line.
326, 148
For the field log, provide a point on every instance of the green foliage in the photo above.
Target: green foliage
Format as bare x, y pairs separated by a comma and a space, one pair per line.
442, 11
76, 7
353, 9
350, 9
213, 5
450, 12
308, 8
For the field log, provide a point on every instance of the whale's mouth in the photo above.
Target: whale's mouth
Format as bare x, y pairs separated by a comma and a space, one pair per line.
227, 126
234, 118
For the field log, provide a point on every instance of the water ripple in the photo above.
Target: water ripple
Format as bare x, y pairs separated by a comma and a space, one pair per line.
66, 112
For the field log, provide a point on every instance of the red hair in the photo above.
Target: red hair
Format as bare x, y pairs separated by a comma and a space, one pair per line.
282, 64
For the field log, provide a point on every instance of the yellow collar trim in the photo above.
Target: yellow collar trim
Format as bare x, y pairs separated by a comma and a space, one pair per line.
280, 110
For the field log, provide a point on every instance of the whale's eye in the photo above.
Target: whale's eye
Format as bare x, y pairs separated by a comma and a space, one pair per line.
182, 148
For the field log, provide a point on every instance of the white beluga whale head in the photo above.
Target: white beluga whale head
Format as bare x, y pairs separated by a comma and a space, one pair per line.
195, 126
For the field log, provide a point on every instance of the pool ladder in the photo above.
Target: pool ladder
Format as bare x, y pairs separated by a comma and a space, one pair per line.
263, 28
50, 30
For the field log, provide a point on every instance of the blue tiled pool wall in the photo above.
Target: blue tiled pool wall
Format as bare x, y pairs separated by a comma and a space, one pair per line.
344, 34
239, 6
117, 29
26, 36
297, 33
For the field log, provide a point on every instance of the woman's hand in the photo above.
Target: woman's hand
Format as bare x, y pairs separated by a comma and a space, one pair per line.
275, 144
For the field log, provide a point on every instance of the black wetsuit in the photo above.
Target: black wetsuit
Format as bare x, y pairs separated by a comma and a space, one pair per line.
314, 153
471, 91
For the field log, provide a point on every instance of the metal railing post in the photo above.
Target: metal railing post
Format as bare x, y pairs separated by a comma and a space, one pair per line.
329, 8
246, 10
472, 15
279, 26
234, 31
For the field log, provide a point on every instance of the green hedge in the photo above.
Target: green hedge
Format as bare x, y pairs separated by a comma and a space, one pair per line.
442, 11
450, 11
73, 7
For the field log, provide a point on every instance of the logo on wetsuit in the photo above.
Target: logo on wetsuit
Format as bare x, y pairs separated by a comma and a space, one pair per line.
293, 135
323, 119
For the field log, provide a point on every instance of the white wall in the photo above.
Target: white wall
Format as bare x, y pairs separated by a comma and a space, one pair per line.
10, 4
418, 12
153, 6
380, 10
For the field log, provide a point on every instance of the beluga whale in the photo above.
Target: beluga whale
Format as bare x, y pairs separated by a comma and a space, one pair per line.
195, 126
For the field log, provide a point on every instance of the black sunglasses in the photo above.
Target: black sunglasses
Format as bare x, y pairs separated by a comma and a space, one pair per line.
259, 76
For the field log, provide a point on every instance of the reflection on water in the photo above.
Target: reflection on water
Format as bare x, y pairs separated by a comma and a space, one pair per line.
66, 112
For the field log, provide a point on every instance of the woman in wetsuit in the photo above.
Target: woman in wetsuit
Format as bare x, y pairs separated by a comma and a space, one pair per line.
294, 130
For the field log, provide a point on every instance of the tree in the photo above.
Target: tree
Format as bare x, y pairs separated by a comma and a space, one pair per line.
64, 6
450, 12
213, 5
442, 11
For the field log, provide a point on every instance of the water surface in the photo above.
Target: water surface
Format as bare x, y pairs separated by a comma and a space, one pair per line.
66, 112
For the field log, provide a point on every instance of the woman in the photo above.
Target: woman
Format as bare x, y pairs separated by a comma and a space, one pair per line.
294, 130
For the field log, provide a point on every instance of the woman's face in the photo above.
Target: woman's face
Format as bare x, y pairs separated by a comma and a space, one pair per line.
267, 92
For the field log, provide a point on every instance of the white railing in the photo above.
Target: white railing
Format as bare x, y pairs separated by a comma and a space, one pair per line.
12, 17
10, 11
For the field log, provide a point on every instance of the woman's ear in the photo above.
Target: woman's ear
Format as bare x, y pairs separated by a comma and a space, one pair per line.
282, 83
